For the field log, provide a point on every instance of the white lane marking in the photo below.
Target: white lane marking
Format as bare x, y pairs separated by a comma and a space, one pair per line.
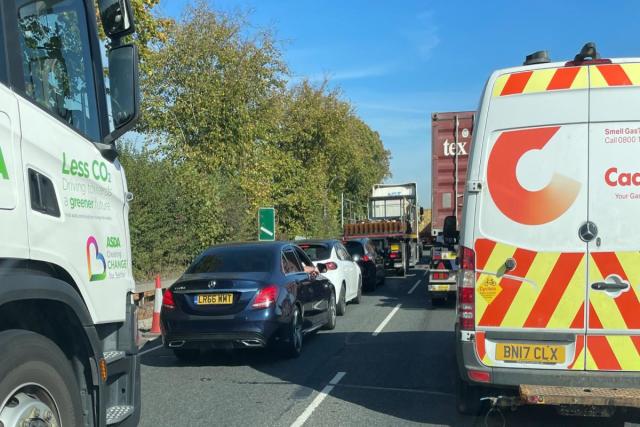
318, 400
267, 232
413, 288
386, 320
150, 350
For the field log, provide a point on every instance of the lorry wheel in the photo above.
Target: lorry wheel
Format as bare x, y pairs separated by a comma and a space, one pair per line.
468, 398
37, 383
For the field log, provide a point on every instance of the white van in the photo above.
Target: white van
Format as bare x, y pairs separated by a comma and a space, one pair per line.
549, 294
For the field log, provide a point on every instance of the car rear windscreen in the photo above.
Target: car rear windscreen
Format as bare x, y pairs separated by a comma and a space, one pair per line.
235, 259
354, 248
316, 252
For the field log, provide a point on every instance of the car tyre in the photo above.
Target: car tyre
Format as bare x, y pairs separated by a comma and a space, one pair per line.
293, 337
468, 398
370, 284
342, 302
332, 315
358, 297
186, 354
33, 370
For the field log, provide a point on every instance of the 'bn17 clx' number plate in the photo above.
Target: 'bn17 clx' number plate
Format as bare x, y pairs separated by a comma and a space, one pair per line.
530, 353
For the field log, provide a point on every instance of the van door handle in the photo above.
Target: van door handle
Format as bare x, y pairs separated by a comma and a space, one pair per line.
609, 286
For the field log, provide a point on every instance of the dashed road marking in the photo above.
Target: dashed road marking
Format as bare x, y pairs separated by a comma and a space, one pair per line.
318, 400
413, 288
386, 320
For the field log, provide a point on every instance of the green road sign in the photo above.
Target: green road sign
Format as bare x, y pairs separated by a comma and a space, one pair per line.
266, 224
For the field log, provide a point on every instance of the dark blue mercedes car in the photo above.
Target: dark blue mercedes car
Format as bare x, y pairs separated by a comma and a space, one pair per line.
246, 295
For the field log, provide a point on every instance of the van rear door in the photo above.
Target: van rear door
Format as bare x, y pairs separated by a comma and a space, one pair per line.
613, 334
531, 264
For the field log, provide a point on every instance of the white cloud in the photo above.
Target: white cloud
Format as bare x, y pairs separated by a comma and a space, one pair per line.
348, 74
425, 37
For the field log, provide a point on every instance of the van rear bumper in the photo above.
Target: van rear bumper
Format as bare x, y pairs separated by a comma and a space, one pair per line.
513, 377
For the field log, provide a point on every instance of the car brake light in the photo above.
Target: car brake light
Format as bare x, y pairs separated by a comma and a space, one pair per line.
366, 258
331, 265
266, 297
466, 289
167, 299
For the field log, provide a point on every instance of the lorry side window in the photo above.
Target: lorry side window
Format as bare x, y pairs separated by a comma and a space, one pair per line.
56, 59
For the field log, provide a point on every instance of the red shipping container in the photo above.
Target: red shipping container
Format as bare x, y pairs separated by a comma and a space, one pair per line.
451, 138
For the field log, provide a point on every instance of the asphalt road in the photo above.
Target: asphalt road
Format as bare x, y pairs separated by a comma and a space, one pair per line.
403, 374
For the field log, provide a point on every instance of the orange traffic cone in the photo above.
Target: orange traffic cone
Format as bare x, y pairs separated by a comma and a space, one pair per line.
157, 305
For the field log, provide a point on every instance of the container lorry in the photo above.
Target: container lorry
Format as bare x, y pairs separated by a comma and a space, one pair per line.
392, 223
451, 136
68, 328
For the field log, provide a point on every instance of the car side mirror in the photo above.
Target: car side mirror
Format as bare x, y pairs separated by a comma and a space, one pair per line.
322, 268
117, 18
356, 258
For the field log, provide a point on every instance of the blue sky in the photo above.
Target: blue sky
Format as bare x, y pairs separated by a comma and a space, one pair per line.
399, 61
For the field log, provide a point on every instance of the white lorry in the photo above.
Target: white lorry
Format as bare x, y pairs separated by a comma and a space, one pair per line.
392, 224
68, 350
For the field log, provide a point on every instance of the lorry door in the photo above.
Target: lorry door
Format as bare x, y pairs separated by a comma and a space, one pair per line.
613, 319
76, 197
531, 264
13, 225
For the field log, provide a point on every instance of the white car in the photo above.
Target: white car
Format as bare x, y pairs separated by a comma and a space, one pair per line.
342, 271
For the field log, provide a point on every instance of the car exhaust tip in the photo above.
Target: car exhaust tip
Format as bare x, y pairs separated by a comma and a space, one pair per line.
176, 344
251, 343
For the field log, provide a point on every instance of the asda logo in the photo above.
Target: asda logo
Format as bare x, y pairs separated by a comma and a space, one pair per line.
3, 167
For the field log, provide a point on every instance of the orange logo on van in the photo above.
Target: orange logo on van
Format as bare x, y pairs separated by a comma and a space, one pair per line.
514, 201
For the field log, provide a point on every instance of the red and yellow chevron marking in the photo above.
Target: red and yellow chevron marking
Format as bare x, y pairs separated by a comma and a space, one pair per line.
613, 353
550, 297
549, 293
567, 78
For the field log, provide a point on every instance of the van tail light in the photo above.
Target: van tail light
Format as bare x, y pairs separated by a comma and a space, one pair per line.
366, 258
266, 297
479, 376
466, 289
167, 299
331, 265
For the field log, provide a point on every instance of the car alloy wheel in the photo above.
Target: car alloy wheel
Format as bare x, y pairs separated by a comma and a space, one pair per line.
331, 321
292, 343
342, 303
358, 297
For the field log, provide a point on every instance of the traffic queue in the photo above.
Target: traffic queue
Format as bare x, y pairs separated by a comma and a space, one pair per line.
536, 242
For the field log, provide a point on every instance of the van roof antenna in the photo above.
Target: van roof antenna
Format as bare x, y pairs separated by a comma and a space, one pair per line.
587, 51
539, 57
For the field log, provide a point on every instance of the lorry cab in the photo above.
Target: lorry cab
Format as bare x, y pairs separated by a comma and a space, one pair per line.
550, 255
